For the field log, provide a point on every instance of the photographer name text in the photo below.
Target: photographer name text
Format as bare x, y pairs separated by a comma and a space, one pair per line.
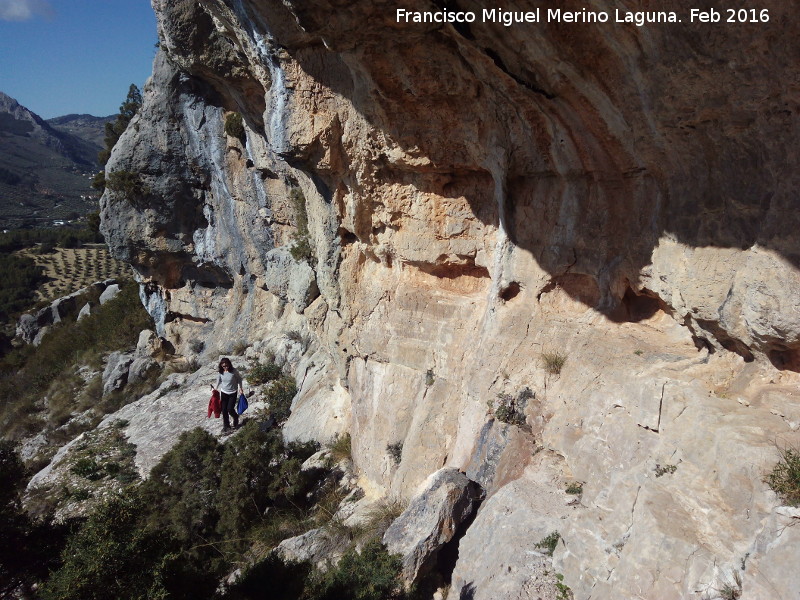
557, 15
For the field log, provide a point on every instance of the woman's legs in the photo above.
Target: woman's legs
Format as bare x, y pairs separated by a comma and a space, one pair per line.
228, 408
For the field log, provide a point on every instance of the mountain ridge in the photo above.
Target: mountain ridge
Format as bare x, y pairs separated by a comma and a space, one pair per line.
46, 165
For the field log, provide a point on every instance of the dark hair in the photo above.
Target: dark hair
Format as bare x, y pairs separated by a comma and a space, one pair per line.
225, 360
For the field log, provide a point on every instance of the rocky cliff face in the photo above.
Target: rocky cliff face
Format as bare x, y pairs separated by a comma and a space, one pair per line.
480, 199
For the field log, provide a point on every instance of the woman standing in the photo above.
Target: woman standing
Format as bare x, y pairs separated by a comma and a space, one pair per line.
228, 383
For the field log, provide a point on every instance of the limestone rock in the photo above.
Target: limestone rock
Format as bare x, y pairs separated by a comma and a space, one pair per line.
140, 368
109, 293
315, 545
115, 375
85, 311
40, 333
148, 344
27, 327
293, 281
431, 520
499, 557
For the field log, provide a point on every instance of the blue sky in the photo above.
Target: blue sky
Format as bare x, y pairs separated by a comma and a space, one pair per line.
75, 56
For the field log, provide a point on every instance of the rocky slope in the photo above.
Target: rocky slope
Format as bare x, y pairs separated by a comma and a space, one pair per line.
478, 201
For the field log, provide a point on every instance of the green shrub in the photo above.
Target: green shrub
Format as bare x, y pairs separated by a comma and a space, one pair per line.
430, 378
258, 471
29, 549
298, 200
127, 183
564, 591
81, 494
68, 345
280, 396
341, 447
69, 241
512, 410
284, 580
111, 556
665, 470
88, 468
182, 487
260, 373
575, 488
785, 477
114, 129
196, 518
395, 451
19, 278
234, 126
373, 574
553, 362
549, 543
301, 249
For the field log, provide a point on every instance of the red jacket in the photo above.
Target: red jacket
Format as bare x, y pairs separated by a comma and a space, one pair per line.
215, 405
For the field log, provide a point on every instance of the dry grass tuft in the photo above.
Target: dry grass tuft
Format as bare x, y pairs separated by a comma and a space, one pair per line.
553, 362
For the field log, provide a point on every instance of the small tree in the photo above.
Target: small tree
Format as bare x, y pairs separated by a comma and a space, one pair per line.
114, 129
234, 126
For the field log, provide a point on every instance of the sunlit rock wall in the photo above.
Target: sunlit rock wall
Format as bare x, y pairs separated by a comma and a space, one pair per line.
477, 196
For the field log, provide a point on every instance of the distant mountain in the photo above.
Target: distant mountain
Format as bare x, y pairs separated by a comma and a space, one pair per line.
46, 166
86, 127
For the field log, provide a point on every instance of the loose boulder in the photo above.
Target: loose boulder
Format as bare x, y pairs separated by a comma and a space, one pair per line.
109, 293
27, 328
141, 368
432, 519
148, 345
115, 375
85, 311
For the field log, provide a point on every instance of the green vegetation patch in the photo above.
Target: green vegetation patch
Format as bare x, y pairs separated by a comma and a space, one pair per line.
575, 488
19, 278
202, 509
30, 548
511, 409
301, 248
785, 477
234, 126
30, 373
263, 373
372, 574
102, 461
549, 543
395, 451
127, 183
341, 448
279, 396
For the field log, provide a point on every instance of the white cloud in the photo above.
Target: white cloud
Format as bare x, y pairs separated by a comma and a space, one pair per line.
22, 10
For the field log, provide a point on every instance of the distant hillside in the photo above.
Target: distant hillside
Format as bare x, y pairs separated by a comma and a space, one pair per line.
87, 127
46, 167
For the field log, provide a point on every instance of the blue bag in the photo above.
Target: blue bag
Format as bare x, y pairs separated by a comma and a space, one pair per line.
241, 406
